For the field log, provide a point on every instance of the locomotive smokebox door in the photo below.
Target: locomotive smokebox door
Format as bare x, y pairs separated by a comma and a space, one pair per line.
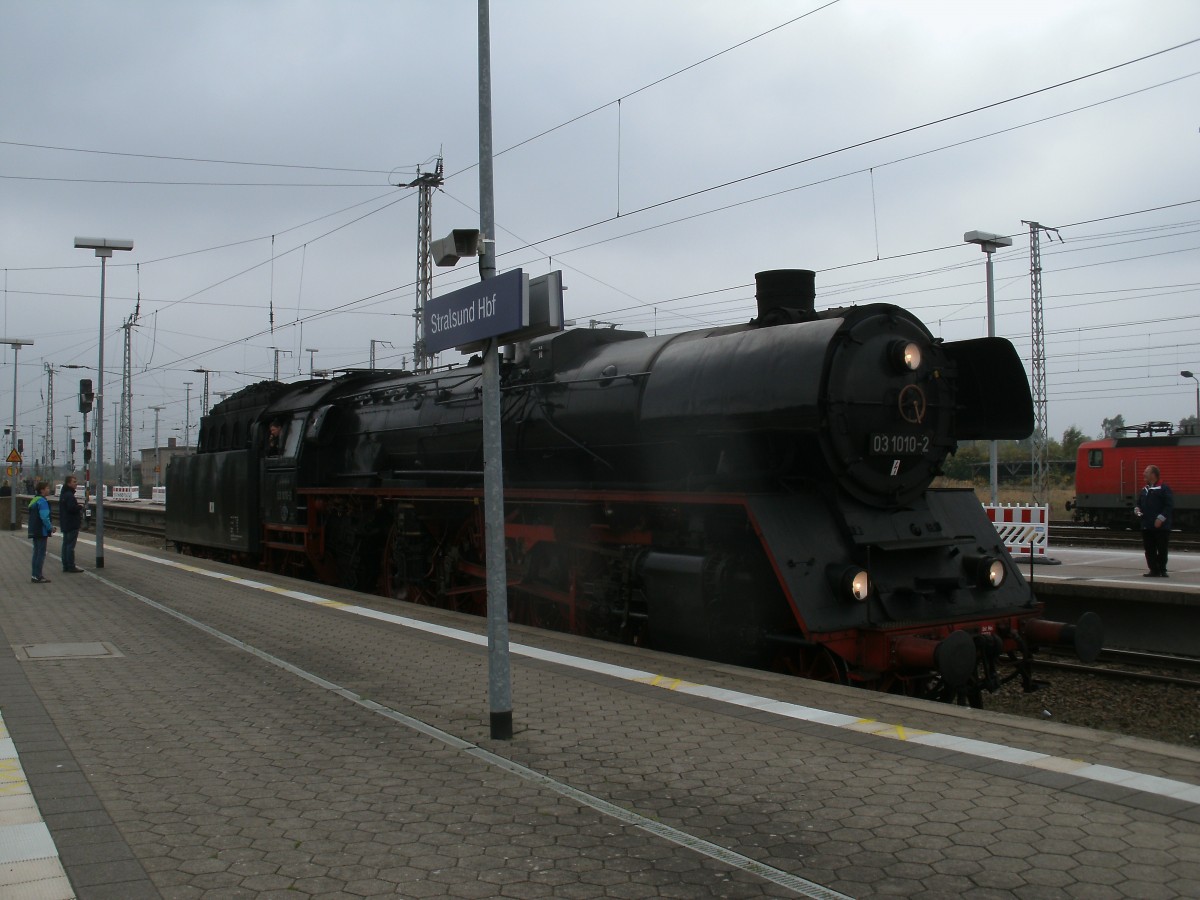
889, 406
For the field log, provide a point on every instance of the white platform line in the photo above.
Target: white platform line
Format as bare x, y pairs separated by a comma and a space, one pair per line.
1164, 787
30, 868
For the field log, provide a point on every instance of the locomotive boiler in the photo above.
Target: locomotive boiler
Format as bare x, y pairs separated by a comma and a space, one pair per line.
757, 494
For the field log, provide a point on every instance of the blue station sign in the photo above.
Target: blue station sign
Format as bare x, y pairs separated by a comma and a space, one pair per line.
471, 315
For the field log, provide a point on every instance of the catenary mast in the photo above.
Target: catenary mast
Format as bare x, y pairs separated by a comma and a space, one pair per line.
48, 443
425, 184
1041, 439
125, 415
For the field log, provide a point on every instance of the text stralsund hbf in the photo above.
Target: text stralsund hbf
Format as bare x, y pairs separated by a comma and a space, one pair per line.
483, 308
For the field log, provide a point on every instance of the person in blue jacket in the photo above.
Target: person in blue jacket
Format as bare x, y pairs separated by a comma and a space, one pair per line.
40, 530
1154, 506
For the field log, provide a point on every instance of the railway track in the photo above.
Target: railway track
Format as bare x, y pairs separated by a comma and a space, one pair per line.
141, 519
1120, 665
1064, 533
1134, 666
142, 528
1113, 694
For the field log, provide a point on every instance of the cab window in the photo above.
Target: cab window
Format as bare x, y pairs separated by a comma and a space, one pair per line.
1096, 459
292, 431
283, 437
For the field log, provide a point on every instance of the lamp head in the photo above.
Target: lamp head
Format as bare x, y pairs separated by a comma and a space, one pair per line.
103, 246
988, 242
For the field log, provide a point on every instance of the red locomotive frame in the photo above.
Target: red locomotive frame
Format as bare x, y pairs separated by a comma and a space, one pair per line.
1109, 474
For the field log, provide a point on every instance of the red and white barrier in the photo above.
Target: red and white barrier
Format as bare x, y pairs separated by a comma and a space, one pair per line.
1025, 530
125, 493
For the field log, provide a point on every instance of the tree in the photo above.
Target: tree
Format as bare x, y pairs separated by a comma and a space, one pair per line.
961, 464
1109, 427
1188, 425
1071, 440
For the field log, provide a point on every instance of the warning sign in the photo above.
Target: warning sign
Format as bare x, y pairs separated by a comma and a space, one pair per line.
14, 457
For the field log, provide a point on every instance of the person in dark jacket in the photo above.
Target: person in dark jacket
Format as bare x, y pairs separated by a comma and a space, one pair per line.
70, 519
275, 437
40, 529
1154, 506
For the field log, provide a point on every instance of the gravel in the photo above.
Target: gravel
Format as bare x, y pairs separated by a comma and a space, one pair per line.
1160, 712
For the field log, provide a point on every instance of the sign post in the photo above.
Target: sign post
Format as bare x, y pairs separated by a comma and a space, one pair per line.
487, 296
16, 344
483, 316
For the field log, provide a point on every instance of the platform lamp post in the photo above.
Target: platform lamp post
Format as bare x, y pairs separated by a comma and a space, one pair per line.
1186, 374
104, 248
16, 344
989, 244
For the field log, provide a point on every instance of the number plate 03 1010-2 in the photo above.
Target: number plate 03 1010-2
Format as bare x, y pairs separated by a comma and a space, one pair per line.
898, 444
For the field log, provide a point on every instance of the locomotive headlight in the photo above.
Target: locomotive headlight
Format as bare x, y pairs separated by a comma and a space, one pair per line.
906, 356
849, 582
986, 571
860, 585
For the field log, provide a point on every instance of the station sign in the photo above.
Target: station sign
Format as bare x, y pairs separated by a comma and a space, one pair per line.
511, 307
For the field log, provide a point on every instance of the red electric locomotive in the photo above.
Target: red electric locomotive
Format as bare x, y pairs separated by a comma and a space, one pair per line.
1108, 475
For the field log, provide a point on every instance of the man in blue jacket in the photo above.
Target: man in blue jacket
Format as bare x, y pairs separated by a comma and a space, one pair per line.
1154, 507
70, 519
40, 529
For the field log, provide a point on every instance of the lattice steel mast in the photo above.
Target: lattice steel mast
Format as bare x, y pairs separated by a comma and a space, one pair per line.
125, 428
425, 183
204, 404
48, 443
1041, 439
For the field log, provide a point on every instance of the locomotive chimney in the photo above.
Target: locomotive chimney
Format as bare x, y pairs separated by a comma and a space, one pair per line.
785, 295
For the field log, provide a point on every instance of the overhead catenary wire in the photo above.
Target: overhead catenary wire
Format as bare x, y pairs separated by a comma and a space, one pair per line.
903, 131
194, 159
387, 292
866, 142
816, 183
299, 318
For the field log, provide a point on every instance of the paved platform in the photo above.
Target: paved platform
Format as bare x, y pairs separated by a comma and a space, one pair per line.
180, 729
1114, 569
1152, 614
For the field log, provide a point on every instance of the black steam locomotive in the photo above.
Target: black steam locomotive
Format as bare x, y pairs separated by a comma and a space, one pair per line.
757, 494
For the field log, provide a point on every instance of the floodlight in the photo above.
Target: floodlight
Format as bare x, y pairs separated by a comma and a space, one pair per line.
988, 242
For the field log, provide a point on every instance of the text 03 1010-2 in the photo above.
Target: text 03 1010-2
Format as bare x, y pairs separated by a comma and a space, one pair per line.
899, 444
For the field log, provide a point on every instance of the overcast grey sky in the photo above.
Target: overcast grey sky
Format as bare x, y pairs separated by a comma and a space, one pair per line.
250, 149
